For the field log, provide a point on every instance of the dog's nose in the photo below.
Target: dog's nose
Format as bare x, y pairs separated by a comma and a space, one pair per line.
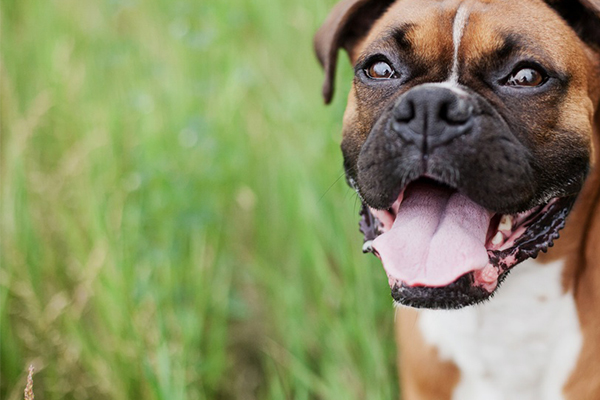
431, 116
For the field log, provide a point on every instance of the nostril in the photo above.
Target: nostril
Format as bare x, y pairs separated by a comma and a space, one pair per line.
405, 111
458, 111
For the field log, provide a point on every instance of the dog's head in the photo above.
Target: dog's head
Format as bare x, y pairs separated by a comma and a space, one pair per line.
467, 134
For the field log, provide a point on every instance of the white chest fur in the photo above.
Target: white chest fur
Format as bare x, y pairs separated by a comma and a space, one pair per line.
521, 345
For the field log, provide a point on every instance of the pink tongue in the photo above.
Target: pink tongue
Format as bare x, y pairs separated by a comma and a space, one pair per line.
437, 237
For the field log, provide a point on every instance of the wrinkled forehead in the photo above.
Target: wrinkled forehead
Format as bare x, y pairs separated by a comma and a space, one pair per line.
475, 28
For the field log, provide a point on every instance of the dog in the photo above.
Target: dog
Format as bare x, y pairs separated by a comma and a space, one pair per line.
472, 138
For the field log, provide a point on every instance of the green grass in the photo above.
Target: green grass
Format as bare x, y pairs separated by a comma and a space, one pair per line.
173, 222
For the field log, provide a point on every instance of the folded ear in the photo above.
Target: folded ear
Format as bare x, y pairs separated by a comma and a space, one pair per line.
349, 21
583, 16
592, 29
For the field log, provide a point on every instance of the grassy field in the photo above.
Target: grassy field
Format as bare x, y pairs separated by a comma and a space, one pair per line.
174, 225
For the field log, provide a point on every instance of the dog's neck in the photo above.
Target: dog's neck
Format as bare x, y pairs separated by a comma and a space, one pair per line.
473, 337
579, 245
582, 276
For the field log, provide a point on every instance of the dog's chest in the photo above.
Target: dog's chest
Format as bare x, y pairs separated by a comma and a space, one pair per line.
523, 344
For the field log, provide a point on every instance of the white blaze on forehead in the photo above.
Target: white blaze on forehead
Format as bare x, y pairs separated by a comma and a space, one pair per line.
458, 29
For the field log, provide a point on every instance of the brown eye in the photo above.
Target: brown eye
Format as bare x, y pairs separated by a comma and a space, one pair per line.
528, 77
380, 70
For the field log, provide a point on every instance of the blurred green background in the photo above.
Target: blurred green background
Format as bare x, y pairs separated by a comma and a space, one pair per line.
175, 224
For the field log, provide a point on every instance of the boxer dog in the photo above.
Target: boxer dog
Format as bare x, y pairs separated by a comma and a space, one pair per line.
471, 136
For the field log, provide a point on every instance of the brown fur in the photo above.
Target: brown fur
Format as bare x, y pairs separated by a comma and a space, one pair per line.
583, 276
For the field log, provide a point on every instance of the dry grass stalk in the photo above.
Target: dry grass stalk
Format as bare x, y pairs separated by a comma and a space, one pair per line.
29, 388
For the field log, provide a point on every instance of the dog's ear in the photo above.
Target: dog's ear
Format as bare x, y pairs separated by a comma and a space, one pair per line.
583, 16
349, 21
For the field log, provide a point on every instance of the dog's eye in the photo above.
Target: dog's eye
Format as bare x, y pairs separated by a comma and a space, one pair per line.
380, 70
527, 77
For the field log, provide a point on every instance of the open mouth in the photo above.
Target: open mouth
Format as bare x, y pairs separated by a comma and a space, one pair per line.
442, 250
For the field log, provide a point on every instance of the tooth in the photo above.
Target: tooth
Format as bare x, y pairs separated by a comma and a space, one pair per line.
506, 223
497, 239
367, 247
